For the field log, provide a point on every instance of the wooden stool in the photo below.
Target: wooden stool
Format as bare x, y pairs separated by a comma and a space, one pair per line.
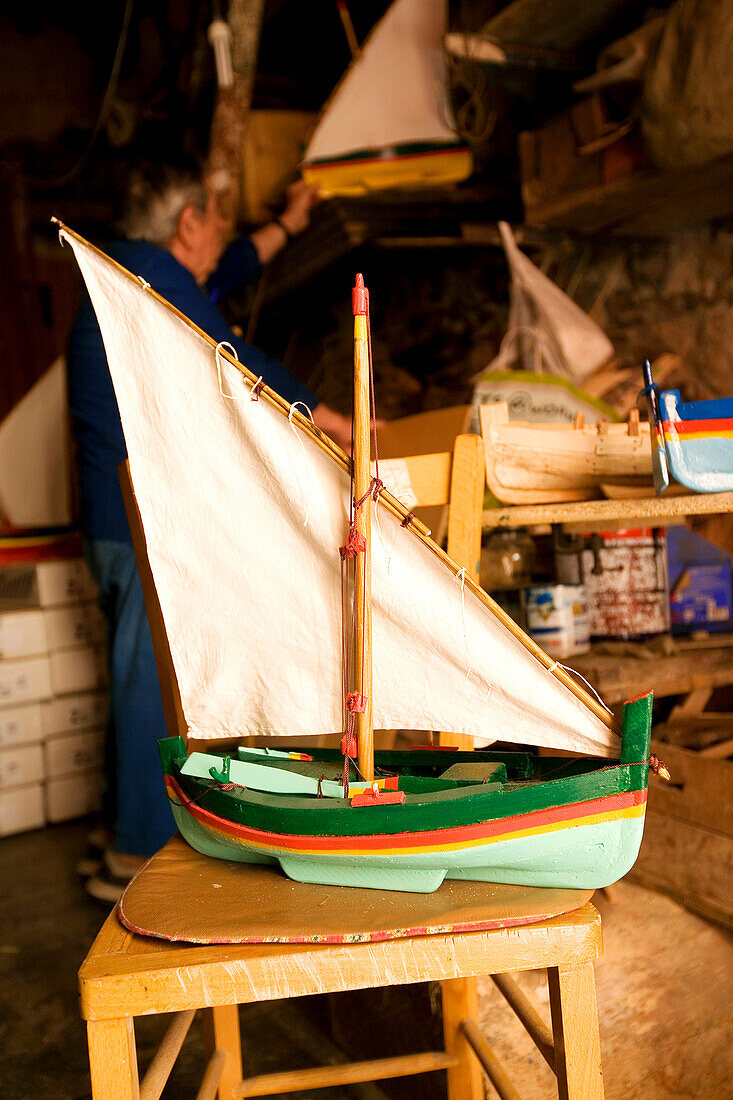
127, 975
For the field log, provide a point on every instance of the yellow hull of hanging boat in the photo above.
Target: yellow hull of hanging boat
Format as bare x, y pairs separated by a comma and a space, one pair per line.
386, 169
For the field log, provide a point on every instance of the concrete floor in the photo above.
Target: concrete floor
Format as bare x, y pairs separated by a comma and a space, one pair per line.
664, 992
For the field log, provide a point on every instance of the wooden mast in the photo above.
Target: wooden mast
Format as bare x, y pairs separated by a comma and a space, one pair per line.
363, 575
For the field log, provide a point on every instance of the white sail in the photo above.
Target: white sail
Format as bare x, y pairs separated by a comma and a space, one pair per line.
394, 91
243, 516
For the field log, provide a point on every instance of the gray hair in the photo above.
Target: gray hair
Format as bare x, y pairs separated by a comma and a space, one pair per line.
155, 197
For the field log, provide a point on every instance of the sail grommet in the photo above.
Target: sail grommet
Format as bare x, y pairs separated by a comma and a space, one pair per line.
256, 389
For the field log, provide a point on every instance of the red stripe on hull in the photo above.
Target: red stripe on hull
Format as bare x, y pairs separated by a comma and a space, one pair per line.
537, 819
689, 427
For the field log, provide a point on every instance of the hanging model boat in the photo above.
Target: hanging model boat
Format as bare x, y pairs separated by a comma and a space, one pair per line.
528, 463
388, 122
693, 441
261, 548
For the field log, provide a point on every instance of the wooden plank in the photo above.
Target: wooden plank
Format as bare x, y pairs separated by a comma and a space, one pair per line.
600, 511
646, 202
172, 707
624, 677
153, 976
530, 1018
349, 1073
223, 1037
113, 1059
158, 1072
494, 1069
692, 864
460, 1002
464, 526
701, 790
575, 1027
430, 432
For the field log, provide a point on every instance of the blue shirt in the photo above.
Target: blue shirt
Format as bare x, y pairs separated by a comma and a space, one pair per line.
96, 419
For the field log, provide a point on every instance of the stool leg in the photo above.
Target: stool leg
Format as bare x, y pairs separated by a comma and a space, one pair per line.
460, 1002
575, 1028
113, 1059
221, 1032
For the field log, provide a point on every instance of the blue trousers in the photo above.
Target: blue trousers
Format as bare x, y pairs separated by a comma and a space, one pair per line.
135, 805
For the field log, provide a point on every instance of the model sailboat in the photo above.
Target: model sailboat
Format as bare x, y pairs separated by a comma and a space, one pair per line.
249, 516
388, 123
693, 440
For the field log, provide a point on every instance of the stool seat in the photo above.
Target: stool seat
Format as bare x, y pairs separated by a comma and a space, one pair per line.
127, 975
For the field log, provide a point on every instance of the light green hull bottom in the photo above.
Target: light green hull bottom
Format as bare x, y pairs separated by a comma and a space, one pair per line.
579, 857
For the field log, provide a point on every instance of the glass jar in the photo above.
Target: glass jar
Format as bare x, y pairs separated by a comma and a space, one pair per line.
507, 560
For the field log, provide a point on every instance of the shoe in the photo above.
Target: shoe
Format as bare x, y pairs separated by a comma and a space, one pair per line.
109, 883
98, 840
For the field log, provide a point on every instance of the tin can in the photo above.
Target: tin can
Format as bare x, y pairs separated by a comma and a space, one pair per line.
557, 618
624, 574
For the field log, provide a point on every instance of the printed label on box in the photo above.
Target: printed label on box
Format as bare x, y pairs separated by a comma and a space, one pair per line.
74, 752
73, 796
73, 712
20, 766
62, 582
24, 681
20, 724
82, 668
80, 624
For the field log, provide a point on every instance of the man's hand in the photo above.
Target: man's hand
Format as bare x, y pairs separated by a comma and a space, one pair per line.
301, 198
334, 424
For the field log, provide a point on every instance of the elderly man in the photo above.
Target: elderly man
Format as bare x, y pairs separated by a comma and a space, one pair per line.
174, 240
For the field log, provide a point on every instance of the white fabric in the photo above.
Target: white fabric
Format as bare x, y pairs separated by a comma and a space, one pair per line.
555, 333
394, 91
251, 596
395, 473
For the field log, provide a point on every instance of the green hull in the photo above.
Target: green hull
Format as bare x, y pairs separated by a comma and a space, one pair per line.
552, 822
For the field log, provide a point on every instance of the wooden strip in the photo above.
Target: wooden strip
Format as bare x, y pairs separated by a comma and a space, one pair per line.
700, 792
185, 976
460, 1002
692, 864
719, 751
494, 1069
348, 1074
464, 527
430, 478
594, 511
210, 1081
575, 1027
535, 1026
158, 1072
362, 624
112, 1059
416, 529
224, 1037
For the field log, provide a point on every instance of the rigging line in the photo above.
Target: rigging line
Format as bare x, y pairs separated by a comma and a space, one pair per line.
573, 672
103, 110
217, 354
305, 456
461, 576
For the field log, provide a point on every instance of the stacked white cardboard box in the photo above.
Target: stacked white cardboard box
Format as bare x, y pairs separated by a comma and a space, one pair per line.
52, 693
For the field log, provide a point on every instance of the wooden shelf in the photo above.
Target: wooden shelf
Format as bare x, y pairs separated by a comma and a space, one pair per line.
585, 514
637, 667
